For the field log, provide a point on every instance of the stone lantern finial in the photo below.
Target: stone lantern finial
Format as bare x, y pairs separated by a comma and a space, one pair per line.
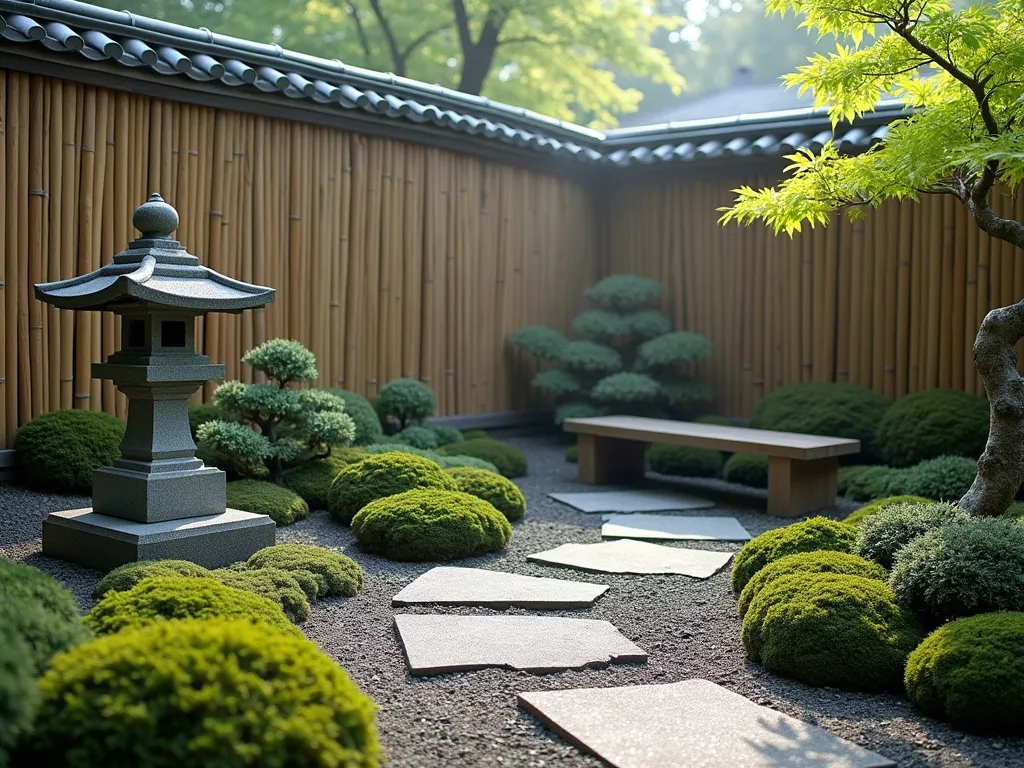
155, 218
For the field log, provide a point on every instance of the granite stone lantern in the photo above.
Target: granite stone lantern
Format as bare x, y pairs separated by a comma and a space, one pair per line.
157, 500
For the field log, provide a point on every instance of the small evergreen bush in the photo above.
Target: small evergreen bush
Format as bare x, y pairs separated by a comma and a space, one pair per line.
572, 454
363, 415
442, 460
272, 583
335, 574
971, 566
818, 533
202, 413
510, 461
283, 506
946, 478
873, 482
747, 469
60, 451
500, 492
886, 532
683, 460
447, 435
932, 423
859, 516
168, 597
312, 481
971, 673
427, 525
475, 434
407, 401
379, 476
19, 694
126, 576
203, 693
419, 437
846, 475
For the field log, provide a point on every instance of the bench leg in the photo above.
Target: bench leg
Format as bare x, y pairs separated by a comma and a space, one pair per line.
609, 460
797, 488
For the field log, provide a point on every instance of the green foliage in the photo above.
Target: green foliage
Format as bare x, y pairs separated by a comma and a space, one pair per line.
821, 408
646, 323
672, 349
451, 462
442, 460
540, 341
126, 576
624, 292
475, 434
558, 381
383, 475
282, 505
870, 483
177, 597
59, 451
885, 533
946, 478
599, 324
683, 460
419, 437
974, 565
406, 400
572, 454
203, 692
868, 510
710, 418
932, 423
818, 533
335, 574
283, 361
430, 525
202, 413
312, 481
971, 672
19, 695
685, 391
626, 387
591, 357
363, 415
578, 410
747, 469
821, 561
510, 461
500, 492
447, 435
272, 583
831, 629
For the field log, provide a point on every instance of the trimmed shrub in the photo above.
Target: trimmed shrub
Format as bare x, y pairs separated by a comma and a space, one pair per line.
335, 574
59, 451
821, 408
886, 532
846, 475
821, 561
312, 481
19, 695
946, 478
808, 536
447, 435
971, 672
126, 576
859, 516
747, 469
407, 401
272, 583
684, 460
974, 565
442, 460
430, 525
932, 423
379, 476
572, 454
510, 461
451, 462
202, 413
419, 437
363, 415
282, 505
501, 493
476, 434
212, 693
830, 629
873, 483
1014, 512
177, 597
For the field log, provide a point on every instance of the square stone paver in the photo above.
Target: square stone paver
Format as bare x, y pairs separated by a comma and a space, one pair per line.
438, 644
695, 724
495, 589
632, 556
632, 501
673, 527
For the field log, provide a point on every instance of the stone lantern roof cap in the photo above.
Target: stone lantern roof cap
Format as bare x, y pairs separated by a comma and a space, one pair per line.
155, 269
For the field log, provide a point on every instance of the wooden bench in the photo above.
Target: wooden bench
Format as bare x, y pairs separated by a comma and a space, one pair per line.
801, 468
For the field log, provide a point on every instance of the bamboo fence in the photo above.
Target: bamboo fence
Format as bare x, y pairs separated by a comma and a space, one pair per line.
389, 259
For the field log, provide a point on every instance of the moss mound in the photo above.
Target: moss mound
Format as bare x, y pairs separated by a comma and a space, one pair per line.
363, 414
500, 492
572, 454
333, 574
272, 583
818, 533
831, 629
971, 672
747, 469
168, 597
312, 481
946, 478
19, 694
821, 561
868, 510
427, 525
872, 483
476, 434
380, 476
510, 461
447, 435
684, 461
59, 451
211, 693
883, 534
282, 505
419, 437
932, 423
126, 576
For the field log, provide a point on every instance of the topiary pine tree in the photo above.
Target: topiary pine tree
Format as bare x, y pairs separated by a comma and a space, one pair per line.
961, 138
273, 424
628, 361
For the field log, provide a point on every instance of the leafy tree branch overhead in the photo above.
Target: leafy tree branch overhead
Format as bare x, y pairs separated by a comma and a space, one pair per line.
557, 57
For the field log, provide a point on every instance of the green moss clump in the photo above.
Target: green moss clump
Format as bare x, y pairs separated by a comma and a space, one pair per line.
946, 478
203, 692
932, 423
419, 437
818, 533
312, 481
830, 629
510, 461
683, 460
886, 532
500, 492
335, 574
19, 694
475, 434
379, 476
971, 673
282, 505
747, 469
873, 483
451, 462
447, 435
60, 451
363, 415
859, 516
126, 576
272, 583
427, 525
572, 454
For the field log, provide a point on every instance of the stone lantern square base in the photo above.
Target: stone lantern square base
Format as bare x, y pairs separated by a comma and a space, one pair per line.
99, 541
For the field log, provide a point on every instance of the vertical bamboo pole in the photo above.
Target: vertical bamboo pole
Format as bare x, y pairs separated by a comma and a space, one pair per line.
38, 131
8, 276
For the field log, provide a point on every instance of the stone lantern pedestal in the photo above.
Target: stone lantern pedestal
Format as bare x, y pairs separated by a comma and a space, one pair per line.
157, 500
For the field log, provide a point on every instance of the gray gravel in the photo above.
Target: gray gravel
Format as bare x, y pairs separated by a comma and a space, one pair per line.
688, 627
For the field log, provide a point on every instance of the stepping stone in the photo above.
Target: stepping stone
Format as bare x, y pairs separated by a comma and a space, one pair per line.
673, 527
694, 723
495, 589
631, 556
436, 645
632, 501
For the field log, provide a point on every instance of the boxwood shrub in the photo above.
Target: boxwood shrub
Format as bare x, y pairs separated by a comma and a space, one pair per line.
932, 423
500, 492
883, 534
859, 516
683, 460
272, 583
447, 435
312, 480
419, 437
60, 451
382, 475
872, 483
510, 461
946, 478
126, 576
19, 694
747, 469
363, 414
282, 505
333, 574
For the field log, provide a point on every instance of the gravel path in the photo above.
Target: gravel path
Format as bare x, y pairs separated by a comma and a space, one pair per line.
689, 629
